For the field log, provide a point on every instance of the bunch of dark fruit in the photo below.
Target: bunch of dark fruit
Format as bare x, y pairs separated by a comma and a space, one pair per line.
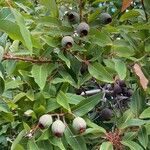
116, 96
118, 93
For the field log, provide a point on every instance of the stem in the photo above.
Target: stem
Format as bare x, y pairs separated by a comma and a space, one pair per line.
39, 60
80, 10
146, 15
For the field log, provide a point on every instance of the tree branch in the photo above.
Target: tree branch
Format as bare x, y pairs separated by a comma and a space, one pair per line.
39, 60
80, 10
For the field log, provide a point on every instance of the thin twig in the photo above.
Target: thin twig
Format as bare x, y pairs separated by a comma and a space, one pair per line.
80, 10
39, 60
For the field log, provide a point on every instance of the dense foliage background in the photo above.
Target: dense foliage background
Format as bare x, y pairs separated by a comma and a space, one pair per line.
39, 75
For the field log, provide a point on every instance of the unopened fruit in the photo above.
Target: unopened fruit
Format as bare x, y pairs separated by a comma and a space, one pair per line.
58, 128
45, 121
105, 18
67, 41
83, 29
79, 124
106, 114
117, 89
73, 17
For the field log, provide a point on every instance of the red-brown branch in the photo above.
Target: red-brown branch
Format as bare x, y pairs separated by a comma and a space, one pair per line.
39, 60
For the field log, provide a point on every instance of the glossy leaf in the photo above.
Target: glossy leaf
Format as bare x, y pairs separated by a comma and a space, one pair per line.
100, 72
121, 68
73, 141
18, 139
23, 29
63, 100
143, 137
145, 113
106, 146
86, 105
32, 145
39, 72
137, 102
132, 145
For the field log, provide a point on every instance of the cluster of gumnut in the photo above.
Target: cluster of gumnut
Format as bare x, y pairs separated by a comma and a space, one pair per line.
58, 126
117, 91
116, 96
83, 28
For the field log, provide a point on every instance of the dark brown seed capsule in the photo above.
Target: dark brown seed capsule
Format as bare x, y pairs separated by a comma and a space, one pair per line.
117, 89
83, 29
105, 18
106, 114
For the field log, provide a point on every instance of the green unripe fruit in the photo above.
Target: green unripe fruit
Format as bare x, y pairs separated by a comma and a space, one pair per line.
67, 41
45, 121
83, 29
28, 113
79, 124
105, 18
73, 17
58, 128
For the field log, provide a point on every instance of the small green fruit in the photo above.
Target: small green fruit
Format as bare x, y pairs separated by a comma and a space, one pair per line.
79, 124
28, 113
58, 128
67, 41
83, 29
45, 121
105, 18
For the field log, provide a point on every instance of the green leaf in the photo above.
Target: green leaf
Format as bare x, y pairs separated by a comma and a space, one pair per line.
122, 49
32, 145
134, 122
106, 146
45, 145
100, 38
11, 29
67, 78
1, 53
129, 136
145, 114
94, 126
72, 140
86, 105
138, 102
23, 29
4, 107
64, 58
18, 139
51, 105
13, 84
100, 72
74, 99
132, 145
63, 100
40, 73
129, 15
52, 6
57, 142
143, 137
121, 68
